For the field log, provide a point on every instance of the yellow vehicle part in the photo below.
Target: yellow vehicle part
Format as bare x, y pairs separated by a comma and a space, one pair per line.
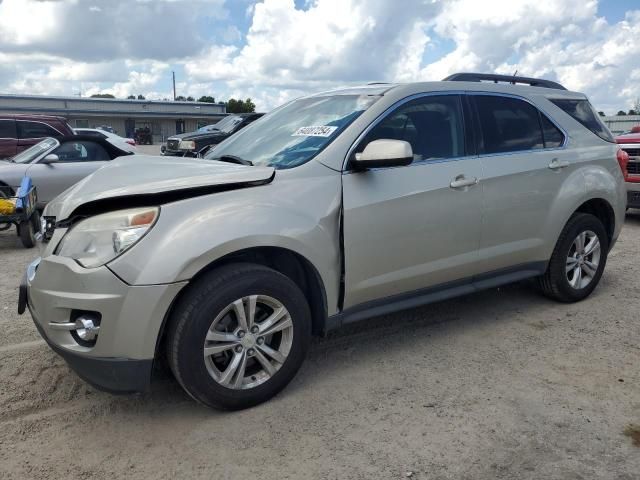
7, 207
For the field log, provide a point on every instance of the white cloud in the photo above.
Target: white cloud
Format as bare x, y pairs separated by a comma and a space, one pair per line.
129, 47
563, 40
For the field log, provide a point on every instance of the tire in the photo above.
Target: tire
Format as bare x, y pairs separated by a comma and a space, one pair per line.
562, 281
199, 322
27, 234
35, 221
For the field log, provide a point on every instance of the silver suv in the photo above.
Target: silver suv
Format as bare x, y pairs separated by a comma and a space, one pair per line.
334, 208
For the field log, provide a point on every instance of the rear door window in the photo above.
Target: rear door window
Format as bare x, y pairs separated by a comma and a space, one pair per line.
553, 137
7, 128
583, 112
27, 129
508, 124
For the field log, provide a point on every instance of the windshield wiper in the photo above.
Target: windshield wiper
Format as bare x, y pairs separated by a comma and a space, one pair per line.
233, 159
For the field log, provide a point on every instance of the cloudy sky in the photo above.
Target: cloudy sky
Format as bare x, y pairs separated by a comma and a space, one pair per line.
274, 50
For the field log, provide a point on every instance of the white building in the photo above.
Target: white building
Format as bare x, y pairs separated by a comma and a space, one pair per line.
164, 118
621, 123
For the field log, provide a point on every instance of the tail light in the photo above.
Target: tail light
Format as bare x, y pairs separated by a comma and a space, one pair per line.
131, 142
623, 161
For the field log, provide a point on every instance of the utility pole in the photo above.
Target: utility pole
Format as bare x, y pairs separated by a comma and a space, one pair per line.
174, 85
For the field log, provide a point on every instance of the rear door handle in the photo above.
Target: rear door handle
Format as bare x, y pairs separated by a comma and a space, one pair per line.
461, 182
558, 164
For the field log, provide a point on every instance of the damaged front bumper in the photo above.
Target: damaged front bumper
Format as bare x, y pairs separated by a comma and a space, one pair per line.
56, 290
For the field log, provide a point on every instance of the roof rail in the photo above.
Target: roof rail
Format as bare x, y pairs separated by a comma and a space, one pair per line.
491, 77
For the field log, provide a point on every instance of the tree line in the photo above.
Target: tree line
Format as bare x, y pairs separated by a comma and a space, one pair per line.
232, 105
635, 110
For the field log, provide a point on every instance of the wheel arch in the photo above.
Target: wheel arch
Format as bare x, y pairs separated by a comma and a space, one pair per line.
285, 261
603, 211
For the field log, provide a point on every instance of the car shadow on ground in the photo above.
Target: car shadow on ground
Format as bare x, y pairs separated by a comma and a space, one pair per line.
364, 341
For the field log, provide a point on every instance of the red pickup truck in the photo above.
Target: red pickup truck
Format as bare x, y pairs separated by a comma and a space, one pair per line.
19, 132
630, 143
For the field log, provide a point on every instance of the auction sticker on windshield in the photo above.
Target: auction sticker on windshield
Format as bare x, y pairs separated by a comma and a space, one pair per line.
315, 131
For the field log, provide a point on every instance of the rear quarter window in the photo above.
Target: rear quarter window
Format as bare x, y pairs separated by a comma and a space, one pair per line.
583, 112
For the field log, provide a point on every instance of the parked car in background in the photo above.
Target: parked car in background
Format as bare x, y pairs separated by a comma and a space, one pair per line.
19, 132
334, 208
107, 128
55, 164
212, 135
128, 144
630, 143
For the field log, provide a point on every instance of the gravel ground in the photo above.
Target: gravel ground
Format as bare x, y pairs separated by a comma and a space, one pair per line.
500, 384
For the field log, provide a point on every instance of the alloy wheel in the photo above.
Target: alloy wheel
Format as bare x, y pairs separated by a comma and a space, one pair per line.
248, 342
583, 259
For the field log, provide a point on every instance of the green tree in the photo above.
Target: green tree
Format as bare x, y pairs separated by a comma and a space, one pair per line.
207, 99
240, 106
102, 95
621, 113
141, 97
632, 112
180, 98
601, 114
190, 99
131, 97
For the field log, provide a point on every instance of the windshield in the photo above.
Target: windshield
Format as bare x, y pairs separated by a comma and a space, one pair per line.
31, 153
207, 128
227, 124
294, 133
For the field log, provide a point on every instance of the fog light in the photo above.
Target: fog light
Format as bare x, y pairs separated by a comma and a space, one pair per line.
86, 329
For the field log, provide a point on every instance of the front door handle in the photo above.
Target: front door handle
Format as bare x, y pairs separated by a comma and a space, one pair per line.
558, 164
461, 182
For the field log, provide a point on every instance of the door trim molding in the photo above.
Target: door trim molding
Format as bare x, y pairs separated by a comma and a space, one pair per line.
417, 298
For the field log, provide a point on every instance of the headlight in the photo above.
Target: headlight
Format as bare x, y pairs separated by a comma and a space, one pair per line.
98, 240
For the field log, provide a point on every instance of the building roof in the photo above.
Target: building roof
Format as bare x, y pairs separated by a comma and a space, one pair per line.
106, 106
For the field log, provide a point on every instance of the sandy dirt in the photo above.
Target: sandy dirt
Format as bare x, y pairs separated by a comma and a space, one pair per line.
501, 384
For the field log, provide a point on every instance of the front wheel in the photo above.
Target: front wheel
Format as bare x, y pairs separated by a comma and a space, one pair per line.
578, 260
238, 336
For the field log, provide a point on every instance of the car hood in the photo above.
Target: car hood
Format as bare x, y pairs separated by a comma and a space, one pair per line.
138, 180
199, 135
12, 169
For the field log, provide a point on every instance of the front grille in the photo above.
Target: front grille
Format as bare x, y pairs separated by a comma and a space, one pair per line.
633, 152
633, 168
173, 144
633, 199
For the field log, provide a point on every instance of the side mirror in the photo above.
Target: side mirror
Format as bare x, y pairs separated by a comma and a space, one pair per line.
49, 159
384, 153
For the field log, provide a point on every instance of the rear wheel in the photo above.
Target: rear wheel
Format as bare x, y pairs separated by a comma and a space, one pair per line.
238, 336
578, 260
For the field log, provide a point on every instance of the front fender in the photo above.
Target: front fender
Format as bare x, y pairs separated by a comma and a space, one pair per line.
295, 214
